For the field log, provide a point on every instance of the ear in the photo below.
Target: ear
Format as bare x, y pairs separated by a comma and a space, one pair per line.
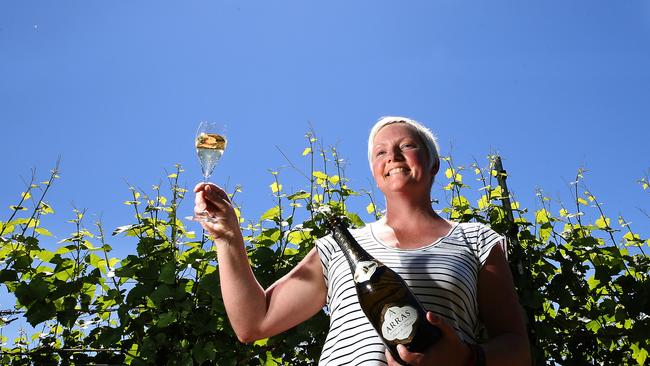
435, 168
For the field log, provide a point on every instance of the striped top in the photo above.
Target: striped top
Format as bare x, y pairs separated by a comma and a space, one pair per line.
443, 275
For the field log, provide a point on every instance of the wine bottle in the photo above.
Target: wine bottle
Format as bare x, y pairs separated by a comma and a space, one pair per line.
388, 302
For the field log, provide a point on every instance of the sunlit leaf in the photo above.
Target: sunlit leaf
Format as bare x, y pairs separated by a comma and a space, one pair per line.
460, 201
261, 342
46, 209
6, 229
483, 202
638, 353
270, 214
497, 192
298, 195
630, 236
306, 151
275, 187
290, 251
542, 216
603, 222
298, 236
593, 326
593, 282
44, 255
355, 219
88, 245
62, 250
271, 360
121, 229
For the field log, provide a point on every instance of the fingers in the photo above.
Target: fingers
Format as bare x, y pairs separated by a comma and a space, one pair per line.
389, 358
199, 187
208, 194
447, 331
405, 355
215, 194
411, 358
444, 352
214, 190
212, 193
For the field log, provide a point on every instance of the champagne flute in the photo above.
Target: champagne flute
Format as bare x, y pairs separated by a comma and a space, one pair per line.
210, 142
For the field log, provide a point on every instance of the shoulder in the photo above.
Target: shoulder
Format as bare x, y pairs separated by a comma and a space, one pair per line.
469, 231
474, 230
327, 246
480, 237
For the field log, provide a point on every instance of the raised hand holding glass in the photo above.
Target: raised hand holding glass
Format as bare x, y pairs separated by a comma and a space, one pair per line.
210, 143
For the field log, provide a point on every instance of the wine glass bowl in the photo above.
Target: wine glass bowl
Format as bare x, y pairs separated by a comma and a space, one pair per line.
210, 142
209, 148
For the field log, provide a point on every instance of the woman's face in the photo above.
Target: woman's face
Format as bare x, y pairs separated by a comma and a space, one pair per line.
400, 160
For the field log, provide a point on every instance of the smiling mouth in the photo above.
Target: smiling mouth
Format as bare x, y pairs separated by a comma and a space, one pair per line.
396, 171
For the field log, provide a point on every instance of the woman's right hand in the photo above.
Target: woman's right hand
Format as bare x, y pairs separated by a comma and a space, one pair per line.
212, 199
449, 350
256, 313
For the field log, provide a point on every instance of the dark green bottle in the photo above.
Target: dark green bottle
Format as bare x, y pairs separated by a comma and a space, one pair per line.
387, 301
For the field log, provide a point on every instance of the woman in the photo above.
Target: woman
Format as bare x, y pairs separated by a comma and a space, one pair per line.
458, 271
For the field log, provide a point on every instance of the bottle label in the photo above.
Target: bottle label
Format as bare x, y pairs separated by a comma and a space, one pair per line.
364, 271
398, 323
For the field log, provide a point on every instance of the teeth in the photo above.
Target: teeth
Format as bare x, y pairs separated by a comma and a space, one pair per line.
396, 170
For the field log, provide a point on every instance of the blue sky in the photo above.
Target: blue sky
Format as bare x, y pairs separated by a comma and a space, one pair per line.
116, 89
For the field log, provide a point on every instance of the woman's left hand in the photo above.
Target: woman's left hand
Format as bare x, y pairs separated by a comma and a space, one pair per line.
449, 350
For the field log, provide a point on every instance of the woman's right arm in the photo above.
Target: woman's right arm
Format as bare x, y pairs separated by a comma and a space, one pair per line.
255, 313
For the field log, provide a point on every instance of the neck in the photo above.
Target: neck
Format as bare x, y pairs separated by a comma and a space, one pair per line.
403, 212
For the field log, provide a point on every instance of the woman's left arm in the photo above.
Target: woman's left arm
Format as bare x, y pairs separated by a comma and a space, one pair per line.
501, 313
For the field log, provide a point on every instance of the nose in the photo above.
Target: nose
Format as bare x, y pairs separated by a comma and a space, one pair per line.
395, 155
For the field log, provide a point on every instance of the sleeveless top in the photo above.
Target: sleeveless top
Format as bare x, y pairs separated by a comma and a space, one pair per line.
443, 275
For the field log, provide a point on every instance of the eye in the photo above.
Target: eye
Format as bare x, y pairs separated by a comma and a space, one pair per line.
379, 153
408, 145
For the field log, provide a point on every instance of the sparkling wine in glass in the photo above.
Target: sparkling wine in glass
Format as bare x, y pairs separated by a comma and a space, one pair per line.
210, 143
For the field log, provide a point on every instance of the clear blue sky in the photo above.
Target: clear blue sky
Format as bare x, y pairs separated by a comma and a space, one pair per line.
117, 89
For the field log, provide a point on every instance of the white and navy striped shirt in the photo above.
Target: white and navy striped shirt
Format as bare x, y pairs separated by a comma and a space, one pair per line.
443, 275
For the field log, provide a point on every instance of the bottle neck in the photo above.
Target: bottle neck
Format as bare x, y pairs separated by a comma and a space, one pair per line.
349, 245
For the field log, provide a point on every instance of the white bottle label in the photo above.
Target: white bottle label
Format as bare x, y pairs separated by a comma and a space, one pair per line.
398, 322
364, 271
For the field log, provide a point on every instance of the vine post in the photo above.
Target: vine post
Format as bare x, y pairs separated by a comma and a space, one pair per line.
517, 255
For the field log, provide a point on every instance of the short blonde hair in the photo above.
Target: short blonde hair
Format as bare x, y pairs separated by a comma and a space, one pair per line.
428, 138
